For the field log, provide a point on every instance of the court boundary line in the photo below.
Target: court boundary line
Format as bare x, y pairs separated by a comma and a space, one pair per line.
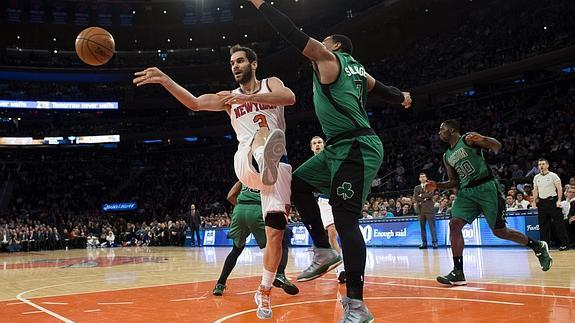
40, 308
475, 282
372, 298
108, 290
447, 288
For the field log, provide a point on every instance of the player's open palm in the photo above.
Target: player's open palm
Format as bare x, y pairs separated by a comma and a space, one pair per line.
150, 75
406, 100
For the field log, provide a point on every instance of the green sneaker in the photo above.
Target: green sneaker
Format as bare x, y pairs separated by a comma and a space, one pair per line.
219, 290
355, 311
455, 277
324, 260
284, 283
543, 254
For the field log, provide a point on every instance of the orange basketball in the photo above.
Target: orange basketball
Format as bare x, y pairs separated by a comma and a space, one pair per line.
95, 46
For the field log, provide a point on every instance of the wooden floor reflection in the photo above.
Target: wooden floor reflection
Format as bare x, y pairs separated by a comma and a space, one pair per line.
174, 284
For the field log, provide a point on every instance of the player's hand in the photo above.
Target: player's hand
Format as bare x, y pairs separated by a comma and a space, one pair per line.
558, 204
234, 98
431, 186
150, 75
533, 205
406, 100
474, 137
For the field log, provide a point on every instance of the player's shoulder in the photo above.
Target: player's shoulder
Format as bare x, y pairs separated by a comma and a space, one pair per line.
274, 80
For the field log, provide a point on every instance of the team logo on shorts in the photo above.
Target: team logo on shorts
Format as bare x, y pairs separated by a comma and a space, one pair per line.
345, 191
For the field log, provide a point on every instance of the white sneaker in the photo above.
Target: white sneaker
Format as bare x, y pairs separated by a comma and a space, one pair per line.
274, 149
263, 300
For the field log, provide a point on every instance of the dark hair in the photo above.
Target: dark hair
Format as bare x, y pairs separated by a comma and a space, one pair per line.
452, 124
422, 173
543, 159
250, 54
346, 44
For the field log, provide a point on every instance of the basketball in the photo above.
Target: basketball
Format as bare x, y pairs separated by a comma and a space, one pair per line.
95, 46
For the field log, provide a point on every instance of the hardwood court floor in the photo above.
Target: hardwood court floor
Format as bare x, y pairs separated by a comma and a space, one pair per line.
174, 284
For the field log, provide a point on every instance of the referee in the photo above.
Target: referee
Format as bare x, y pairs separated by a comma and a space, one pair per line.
547, 195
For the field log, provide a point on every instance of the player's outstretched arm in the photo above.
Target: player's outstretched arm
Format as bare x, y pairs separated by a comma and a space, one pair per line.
279, 95
389, 94
234, 192
475, 139
206, 102
452, 183
311, 48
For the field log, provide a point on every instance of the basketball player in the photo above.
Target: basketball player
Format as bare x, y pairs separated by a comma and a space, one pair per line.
352, 156
246, 219
478, 193
317, 144
256, 110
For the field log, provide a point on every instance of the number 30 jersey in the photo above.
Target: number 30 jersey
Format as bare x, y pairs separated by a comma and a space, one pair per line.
340, 106
467, 161
247, 118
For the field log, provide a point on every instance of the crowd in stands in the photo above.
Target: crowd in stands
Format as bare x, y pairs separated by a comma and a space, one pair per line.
55, 195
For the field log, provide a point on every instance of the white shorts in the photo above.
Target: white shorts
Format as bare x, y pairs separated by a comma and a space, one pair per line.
275, 198
325, 211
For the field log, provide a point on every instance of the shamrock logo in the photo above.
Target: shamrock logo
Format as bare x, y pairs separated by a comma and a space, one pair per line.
345, 191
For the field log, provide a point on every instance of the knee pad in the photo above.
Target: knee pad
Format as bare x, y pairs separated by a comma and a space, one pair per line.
276, 220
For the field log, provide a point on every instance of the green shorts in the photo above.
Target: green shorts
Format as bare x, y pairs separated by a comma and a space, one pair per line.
246, 219
344, 171
483, 199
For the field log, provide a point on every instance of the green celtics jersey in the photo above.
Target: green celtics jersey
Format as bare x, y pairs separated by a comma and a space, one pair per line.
468, 161
248, 195
340, 106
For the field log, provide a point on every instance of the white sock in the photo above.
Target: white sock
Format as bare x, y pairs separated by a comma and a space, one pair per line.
259, 156
268, 278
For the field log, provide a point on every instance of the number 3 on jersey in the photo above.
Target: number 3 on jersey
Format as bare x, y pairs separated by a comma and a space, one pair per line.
261, 120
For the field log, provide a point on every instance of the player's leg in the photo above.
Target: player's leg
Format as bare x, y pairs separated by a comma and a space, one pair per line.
314, 176
238, 233
275, 205
281, 281
493, 208
328, 223
229, 265
350, 186
464, 211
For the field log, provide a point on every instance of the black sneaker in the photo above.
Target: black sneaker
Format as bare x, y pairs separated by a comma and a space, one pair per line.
423, 246
281, 281
434, 245
545, 259
341, 277
563, 248
219, 290
455, 278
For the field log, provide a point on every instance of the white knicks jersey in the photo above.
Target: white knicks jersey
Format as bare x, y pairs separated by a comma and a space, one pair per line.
247, 118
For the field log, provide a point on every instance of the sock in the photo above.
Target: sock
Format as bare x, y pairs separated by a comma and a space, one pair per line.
458, 262
533, 244
258, 155
267, 278
354, 284
229, 264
